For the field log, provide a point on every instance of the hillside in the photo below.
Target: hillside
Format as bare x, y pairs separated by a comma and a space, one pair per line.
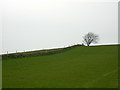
77, 67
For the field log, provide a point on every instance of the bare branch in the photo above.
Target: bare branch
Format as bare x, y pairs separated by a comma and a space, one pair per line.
90, 38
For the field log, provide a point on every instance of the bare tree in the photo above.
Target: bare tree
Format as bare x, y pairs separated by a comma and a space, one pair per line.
90, 38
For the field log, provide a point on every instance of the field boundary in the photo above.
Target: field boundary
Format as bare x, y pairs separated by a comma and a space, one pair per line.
38, 52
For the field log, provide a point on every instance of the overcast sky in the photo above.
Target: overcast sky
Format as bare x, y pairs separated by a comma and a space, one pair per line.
38, 24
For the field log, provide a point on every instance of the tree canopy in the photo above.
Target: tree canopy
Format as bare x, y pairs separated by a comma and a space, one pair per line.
90, 38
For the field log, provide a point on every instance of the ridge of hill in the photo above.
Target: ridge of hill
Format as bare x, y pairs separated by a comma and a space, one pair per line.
39, 52
46, 51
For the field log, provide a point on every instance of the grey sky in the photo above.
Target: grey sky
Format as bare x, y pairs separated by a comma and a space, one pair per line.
38, 24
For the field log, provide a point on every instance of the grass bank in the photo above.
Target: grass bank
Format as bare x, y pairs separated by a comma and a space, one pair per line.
78, 67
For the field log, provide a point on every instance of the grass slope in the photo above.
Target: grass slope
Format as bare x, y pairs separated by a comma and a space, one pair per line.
79, 67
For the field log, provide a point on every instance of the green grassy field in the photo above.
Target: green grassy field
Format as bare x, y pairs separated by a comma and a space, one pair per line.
78, 67
0, 72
